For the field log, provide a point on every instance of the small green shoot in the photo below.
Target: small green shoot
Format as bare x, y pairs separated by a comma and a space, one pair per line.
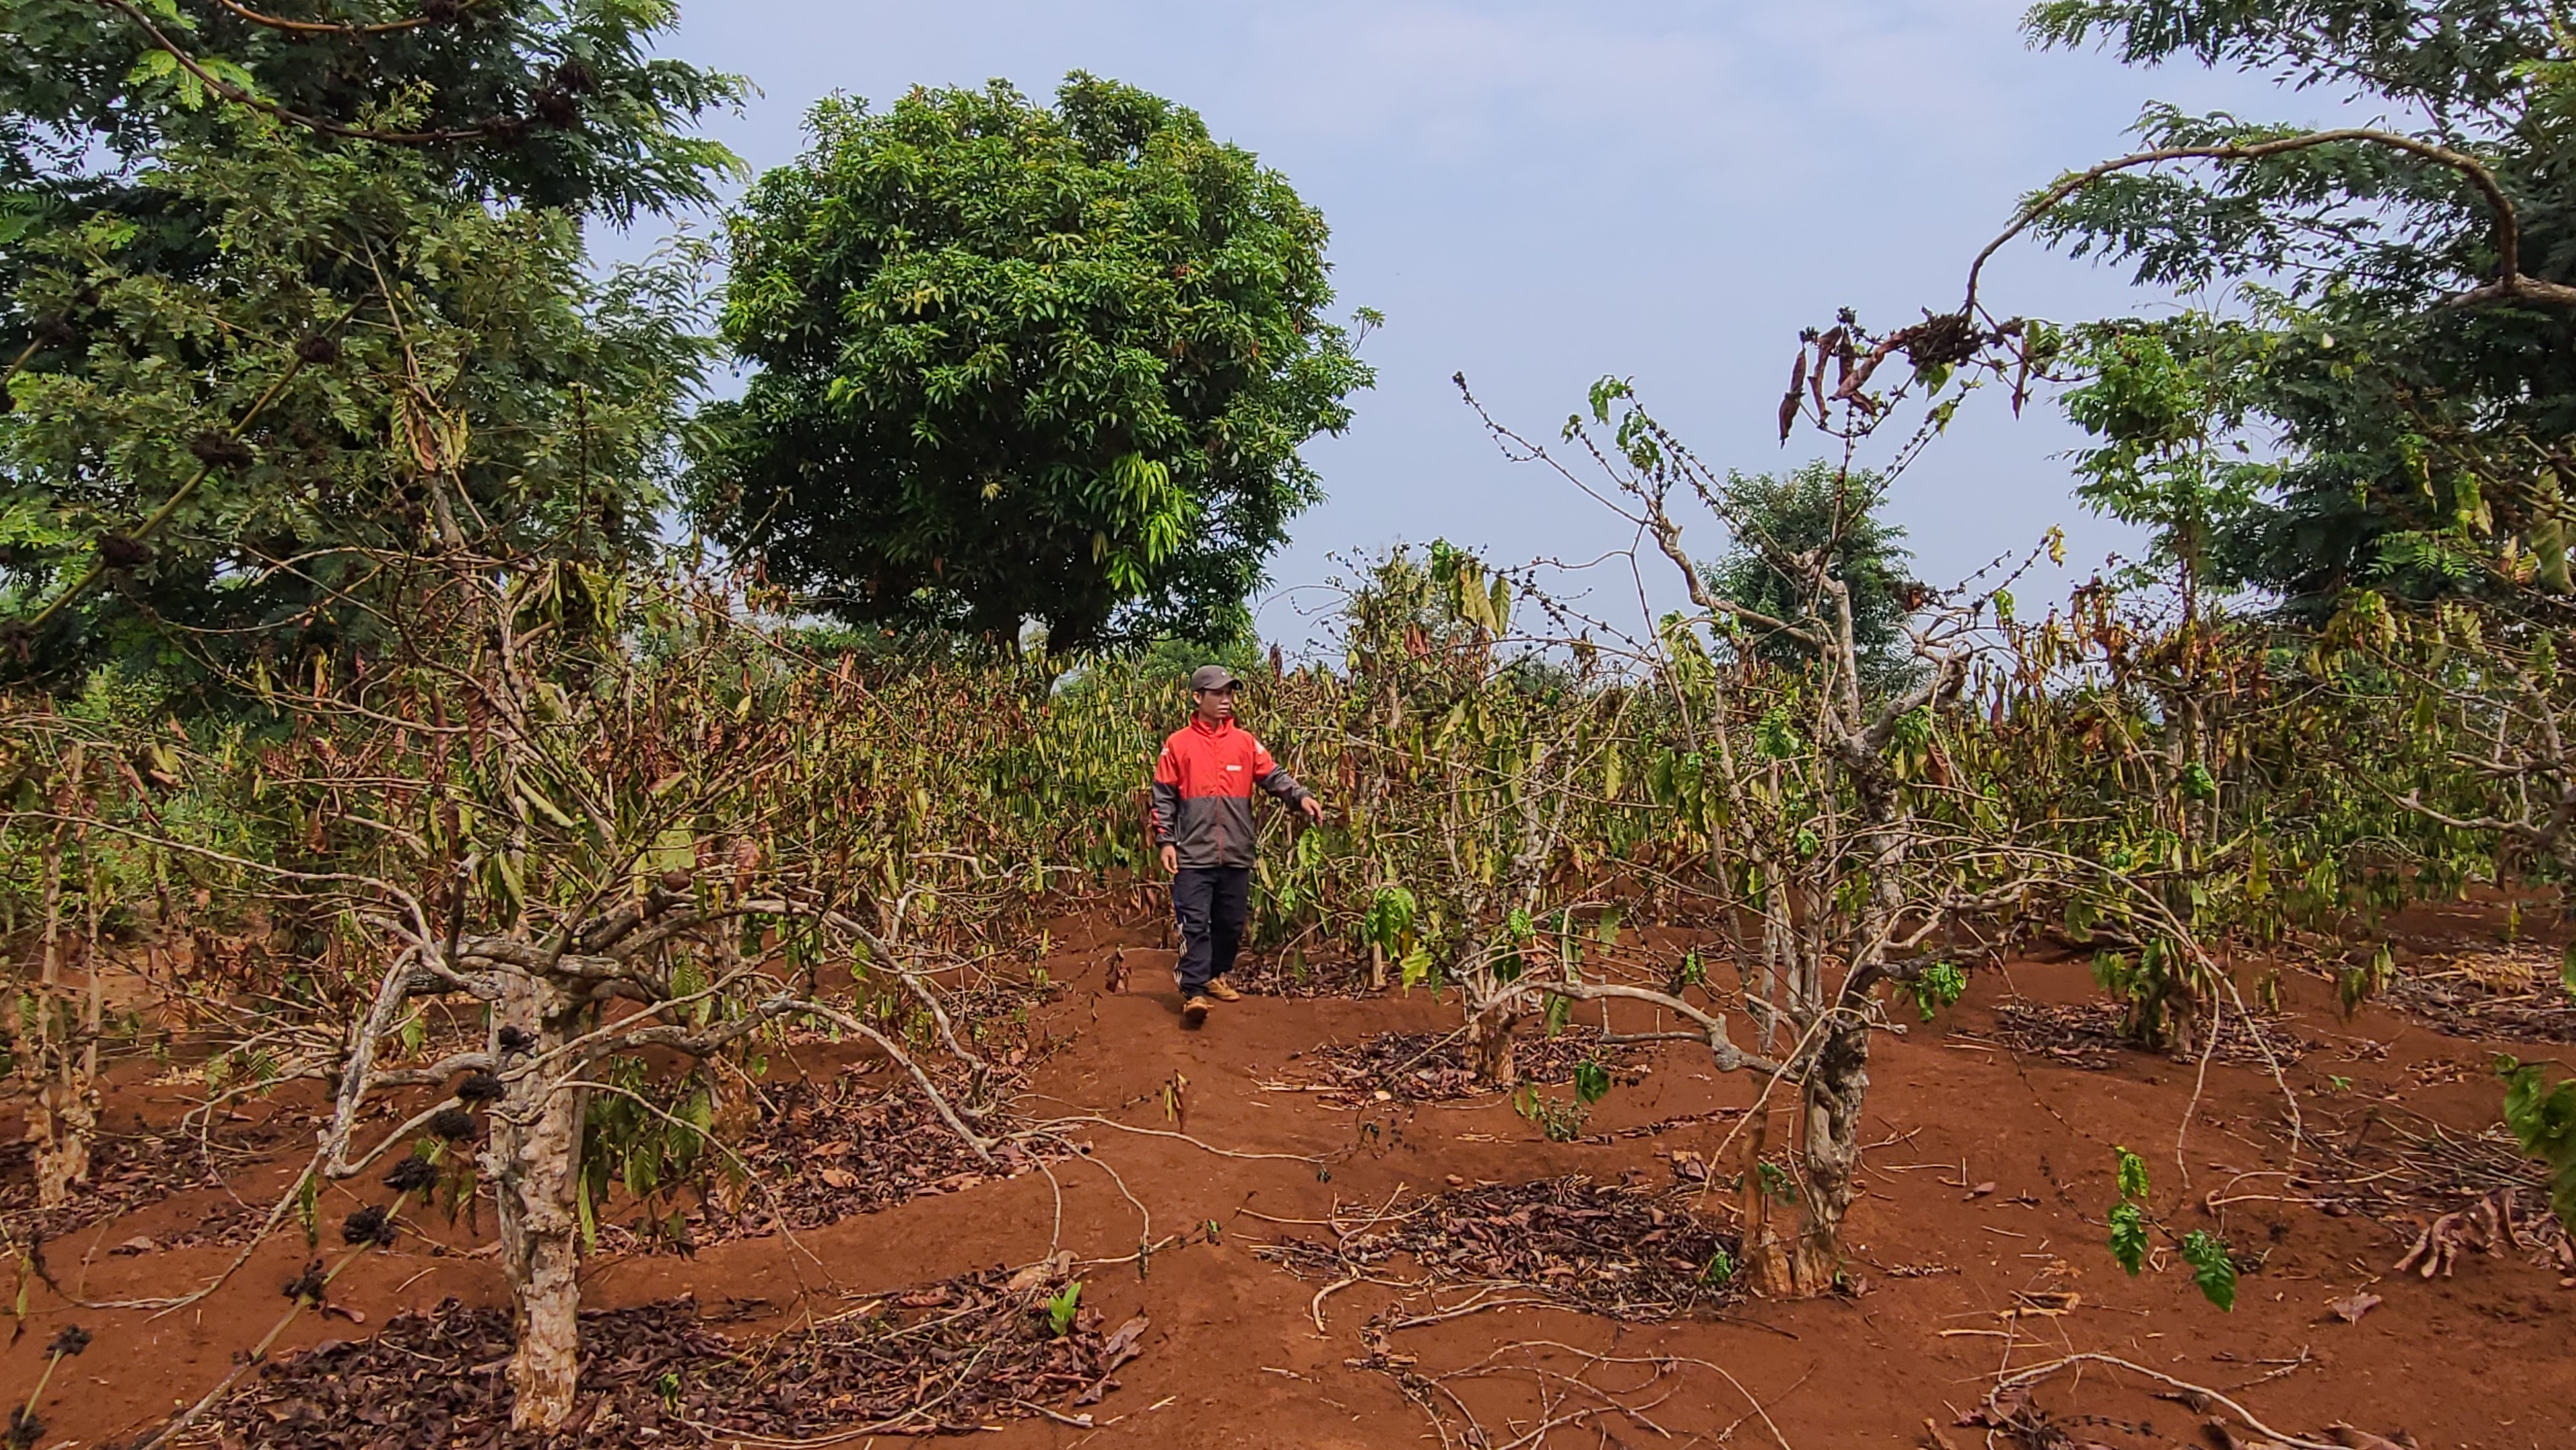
1719, 1271
2133, 1174
1061, 1309
1558, 1122
2132, 1237
1937, 986
1777, 1185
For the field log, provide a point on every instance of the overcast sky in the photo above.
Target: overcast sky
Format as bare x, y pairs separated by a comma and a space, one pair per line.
1537, 194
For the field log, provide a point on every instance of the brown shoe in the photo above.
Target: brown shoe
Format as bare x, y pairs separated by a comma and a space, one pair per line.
1194, 1011
1222, 990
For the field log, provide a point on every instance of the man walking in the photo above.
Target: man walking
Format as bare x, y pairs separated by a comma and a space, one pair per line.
1203, 821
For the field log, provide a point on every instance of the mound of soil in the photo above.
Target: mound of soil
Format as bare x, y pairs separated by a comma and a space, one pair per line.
952, 1358
1603, 1248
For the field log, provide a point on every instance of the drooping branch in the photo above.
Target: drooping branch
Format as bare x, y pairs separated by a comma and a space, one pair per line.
339, 27
240, 97
2510, 285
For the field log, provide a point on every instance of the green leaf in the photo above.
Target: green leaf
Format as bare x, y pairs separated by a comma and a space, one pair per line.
2129, 1237
2543, 1120
1416, 967
2133, 1174
2211, 1268
1720, 1269
1591, 1081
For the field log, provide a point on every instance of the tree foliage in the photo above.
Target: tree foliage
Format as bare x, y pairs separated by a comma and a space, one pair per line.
2423, 444
555, 105
1018, 361
254, 355
1830, 514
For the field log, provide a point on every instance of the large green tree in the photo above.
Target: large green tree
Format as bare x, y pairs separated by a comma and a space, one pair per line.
288, 301
1828, 514
2399, 332
1024, 362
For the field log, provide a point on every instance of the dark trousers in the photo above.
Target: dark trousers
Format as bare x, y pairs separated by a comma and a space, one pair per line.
1211, 903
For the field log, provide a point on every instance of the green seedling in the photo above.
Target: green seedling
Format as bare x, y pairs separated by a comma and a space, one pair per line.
1061, 1309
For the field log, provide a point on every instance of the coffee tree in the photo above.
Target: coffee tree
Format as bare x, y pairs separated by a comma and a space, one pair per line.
590, 813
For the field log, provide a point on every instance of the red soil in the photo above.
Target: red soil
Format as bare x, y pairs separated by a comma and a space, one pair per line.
1234, 1357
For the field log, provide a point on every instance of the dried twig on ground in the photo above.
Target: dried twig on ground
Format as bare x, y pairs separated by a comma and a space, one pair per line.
2008, 1407
2440, 1189
951, 1358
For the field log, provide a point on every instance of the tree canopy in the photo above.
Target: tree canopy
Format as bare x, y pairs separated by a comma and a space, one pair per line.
1018, 361
2422, 443
1779, 519
284, 305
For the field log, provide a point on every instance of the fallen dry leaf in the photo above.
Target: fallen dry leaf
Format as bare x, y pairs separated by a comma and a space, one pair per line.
2354, 1439
2350, 1309
135, 1245
1044, 1271
1121, 1346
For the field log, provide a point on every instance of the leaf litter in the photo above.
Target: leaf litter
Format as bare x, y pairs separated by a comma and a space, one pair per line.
2517, 996
1433, 1067
953, 1357
1622, 1253
825, 1151
2092, 1036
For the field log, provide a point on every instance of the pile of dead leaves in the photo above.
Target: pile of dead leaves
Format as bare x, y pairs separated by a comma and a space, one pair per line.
1604, 1248
955, 1357
1432, 1067
822, 1152
129, 1171
2514, 995
2092, 1036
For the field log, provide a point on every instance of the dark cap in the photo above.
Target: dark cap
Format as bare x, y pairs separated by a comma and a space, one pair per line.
1213, 677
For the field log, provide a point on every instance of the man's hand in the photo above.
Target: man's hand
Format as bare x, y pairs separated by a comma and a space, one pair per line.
1313, 808
1171, 860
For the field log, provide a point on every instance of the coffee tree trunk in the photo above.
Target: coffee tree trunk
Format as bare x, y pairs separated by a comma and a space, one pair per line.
1489, 1042
534, 1161
66, 1056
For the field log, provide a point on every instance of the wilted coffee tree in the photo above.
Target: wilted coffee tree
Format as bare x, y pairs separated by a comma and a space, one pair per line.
585, 816
1832, 835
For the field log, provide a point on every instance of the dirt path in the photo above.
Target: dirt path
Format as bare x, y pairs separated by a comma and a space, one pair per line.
1979, 1249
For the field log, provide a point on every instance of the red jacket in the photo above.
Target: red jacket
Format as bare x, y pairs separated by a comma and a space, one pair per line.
1203, 793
